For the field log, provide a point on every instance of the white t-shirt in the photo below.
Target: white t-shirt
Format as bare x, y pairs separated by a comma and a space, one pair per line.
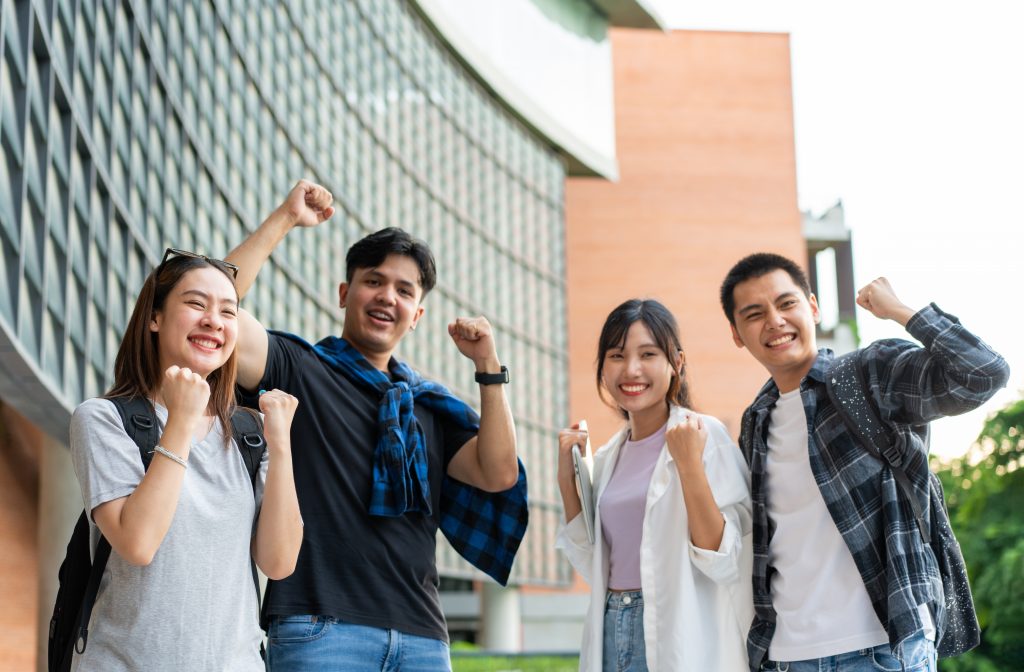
822, 606
193, 607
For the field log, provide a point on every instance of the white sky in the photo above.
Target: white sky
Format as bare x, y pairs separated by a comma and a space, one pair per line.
913, 114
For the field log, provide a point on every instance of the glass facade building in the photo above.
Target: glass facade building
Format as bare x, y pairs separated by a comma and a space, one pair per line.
127, 126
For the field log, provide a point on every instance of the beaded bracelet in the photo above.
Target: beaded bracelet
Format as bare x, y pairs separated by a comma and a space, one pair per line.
168, 454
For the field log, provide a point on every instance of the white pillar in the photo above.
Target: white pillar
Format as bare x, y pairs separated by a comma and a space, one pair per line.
501, 626
60, 502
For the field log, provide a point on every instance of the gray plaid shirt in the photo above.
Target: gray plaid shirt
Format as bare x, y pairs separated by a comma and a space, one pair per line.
953, 373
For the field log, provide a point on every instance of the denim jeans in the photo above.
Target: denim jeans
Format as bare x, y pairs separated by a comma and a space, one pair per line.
624, 649
918, 655
323, 643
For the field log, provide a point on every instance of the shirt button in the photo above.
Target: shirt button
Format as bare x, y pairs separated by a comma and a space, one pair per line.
627, 599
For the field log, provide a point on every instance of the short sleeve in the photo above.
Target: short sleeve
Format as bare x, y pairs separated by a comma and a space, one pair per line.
106, 460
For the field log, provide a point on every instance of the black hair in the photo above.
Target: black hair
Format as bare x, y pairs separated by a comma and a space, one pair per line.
755, 266
663, 327
371, 251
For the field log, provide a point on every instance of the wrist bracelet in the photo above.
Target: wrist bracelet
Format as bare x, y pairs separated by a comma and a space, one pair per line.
169, 455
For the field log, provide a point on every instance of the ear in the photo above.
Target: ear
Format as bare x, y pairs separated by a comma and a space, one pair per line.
736, 336
154, 323
678, 362
342, 294
813, 300
416, 318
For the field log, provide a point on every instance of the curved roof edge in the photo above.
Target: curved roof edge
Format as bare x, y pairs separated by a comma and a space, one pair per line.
582, 159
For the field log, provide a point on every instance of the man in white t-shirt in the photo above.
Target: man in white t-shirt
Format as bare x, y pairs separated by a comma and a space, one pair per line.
841, 575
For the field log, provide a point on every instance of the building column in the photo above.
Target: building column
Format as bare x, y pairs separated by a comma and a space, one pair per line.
60, 502
501, 625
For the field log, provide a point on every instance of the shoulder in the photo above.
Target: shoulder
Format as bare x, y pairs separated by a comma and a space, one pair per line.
95, 410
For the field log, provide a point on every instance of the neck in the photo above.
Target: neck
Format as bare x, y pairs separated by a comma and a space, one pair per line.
646, 422
378, 360
787, 381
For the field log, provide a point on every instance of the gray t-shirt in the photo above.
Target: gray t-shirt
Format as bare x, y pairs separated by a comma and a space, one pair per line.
194, 607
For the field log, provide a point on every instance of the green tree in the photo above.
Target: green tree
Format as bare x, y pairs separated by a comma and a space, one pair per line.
985, 494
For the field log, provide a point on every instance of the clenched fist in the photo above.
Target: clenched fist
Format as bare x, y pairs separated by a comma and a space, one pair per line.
278, 409
186, 394
307, 204
686, 442
475, 340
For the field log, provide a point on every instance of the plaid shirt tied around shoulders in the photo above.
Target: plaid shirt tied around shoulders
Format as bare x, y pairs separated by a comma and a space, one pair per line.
485, 528
953, 373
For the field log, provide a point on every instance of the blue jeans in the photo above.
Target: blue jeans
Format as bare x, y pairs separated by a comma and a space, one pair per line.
918, 655
323, 643
624, 649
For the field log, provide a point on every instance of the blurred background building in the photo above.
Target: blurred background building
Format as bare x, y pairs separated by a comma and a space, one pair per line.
559, 156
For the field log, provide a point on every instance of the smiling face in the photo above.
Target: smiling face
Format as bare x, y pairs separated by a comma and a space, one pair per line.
775, 321
637, 374
382, 304
198, 324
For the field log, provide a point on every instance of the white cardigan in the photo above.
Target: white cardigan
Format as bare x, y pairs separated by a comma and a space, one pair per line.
698, 604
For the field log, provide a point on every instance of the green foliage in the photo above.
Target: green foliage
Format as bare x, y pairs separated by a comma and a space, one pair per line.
985, 494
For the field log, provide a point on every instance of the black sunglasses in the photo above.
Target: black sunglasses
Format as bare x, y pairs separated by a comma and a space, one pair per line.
220, 263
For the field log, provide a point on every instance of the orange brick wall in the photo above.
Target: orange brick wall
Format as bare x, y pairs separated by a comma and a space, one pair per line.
704, 132
19, 556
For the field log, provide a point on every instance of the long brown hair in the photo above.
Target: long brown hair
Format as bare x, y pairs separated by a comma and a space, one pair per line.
659, 321
137, 370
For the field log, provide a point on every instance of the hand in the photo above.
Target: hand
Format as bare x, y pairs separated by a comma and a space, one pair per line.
880, 300
307, 204
567, 438
473, 338
278, 409
686, 442
186, 395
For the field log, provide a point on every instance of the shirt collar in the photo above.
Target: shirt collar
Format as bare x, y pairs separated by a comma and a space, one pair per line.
769, 393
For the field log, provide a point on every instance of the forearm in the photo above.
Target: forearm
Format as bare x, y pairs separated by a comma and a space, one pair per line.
496, 439
570, 499
254, 251
136, 526
279, 531
707, 525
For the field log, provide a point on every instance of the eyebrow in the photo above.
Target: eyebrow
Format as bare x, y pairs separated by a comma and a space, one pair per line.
202, 294
398, 281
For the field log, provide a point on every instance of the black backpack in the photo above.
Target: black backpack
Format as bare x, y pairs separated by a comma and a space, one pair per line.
848, 391
79, 575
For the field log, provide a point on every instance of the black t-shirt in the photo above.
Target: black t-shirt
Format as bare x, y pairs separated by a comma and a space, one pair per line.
362, 569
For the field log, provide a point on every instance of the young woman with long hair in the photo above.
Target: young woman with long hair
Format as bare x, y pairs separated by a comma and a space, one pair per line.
177, 592
669, 567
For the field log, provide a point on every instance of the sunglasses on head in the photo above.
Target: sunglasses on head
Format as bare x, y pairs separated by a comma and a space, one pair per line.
220, 263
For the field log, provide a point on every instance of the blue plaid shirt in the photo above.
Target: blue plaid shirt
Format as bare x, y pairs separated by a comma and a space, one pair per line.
953, 373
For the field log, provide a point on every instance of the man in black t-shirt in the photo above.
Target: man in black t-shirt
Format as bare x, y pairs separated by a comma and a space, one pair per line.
373, 443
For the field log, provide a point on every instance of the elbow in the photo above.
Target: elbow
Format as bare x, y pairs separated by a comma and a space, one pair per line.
506, 480
138, 555
282, 568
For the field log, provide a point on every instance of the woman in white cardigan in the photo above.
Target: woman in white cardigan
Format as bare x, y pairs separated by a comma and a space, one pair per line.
669, 568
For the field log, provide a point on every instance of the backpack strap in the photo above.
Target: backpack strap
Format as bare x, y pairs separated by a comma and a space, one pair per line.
848, 390
139, 419
247, 430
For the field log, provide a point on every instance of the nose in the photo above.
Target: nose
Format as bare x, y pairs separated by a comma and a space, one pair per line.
633, 367
387, 295
212, 320
774, 319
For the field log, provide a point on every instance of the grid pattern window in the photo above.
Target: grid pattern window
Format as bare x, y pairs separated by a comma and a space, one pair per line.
128, 126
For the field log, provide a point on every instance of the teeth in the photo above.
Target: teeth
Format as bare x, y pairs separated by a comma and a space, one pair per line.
205, 343
782, 339
381, 316
633, 388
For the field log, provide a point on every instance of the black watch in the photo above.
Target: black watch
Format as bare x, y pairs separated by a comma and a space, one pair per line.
493, 378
